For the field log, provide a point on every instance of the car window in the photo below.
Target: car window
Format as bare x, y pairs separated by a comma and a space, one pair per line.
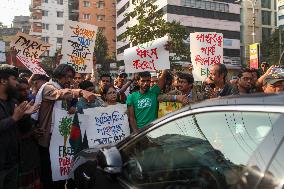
208, 149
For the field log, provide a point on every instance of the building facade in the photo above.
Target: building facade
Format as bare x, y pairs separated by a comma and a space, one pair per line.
280, 13
265, 23
22, 22
47, 21
221, 16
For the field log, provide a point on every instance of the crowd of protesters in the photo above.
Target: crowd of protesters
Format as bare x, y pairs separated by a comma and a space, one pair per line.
27, 104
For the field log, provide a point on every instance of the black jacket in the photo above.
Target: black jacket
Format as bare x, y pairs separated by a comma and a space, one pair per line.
8, 136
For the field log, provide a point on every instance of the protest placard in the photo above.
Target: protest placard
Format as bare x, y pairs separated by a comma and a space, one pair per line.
28, 49
61, 149
150, 56
107, 125
206, 50
168, 107
78, 45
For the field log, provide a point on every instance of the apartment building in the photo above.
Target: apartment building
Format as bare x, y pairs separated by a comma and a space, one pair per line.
22, 22
222, 16
264, 21
47, 21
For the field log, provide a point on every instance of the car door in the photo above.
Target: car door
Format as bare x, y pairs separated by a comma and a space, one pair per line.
202, 148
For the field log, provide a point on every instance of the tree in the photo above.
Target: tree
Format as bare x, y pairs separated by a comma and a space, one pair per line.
101, 50
270, 48
151, 26
65, 128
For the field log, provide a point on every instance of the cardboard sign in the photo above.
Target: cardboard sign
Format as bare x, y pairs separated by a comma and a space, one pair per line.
168, 107
78, 45
150, 56
206, 50
107, 125
28, 49
61, 152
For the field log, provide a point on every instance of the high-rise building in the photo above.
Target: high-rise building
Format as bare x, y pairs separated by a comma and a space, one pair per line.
22, 22
263, 22
280, 13
101, 13
221, 16
47, 21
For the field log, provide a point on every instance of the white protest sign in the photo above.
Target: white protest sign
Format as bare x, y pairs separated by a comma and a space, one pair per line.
28, 49
2, 51
107, 125
78, 45
206, 50
61, 152
150, 56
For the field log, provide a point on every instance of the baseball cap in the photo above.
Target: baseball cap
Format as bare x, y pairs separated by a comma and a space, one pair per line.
122, 73
273, 78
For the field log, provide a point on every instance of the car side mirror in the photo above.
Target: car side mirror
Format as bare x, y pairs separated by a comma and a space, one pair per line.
109, 159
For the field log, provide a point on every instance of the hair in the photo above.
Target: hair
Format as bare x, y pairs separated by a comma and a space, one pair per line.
105, 75
253, 70
222, 70
244, 70
40, 77
24, 75
6, 71
85, 84
144, 74
23, 80
61, 71
104, 91
188, 77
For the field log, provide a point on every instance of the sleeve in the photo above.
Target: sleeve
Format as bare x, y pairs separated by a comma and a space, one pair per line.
129, 100
155, 89
51, 93
6, 123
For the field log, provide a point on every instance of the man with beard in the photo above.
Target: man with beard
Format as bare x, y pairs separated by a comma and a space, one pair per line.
143, 104
10, 114
54, 94
244, 82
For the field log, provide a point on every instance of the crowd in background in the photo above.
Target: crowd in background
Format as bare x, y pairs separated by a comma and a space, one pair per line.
27, 103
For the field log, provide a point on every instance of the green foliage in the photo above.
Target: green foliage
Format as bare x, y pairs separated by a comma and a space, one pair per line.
101, 50
65, 126
151, 26
270, 48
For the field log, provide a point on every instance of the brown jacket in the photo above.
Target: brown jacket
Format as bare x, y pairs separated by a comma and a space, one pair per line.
49, 96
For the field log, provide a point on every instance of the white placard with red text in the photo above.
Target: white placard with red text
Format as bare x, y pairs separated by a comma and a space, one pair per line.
150, 56
28, 49
206, 50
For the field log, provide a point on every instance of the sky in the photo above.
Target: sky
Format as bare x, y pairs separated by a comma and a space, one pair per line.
11, 8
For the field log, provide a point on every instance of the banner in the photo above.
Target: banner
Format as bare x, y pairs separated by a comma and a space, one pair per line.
28, 49
150, 56
2, 52
168, 107
78, 45
61, 151
206, 50
107, 125
253, 55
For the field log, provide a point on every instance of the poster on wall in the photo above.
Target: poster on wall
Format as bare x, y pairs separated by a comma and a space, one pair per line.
253, 55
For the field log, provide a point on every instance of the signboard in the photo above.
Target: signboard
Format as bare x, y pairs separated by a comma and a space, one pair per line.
206, 50
78, 45
2, 52
253, 55
28, 49
107, 125
61, 152
151, 56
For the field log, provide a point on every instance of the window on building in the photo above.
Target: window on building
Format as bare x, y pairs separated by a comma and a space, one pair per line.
100, 4
266, 32
281, 7
59, 40
266, 17
266, 4
45, 39
44, 13
45, 26
59, 26
86, 16
100, 17
102, 29
59, 14
60, 2
202, 4
281, 17
275, 19
86, 3
45, 1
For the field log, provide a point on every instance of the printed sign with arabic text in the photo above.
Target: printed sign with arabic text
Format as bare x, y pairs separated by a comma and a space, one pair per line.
206, 50
28, 49
78, 45
150, 56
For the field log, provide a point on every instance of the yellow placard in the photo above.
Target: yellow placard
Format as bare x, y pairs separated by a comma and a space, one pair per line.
168, 107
